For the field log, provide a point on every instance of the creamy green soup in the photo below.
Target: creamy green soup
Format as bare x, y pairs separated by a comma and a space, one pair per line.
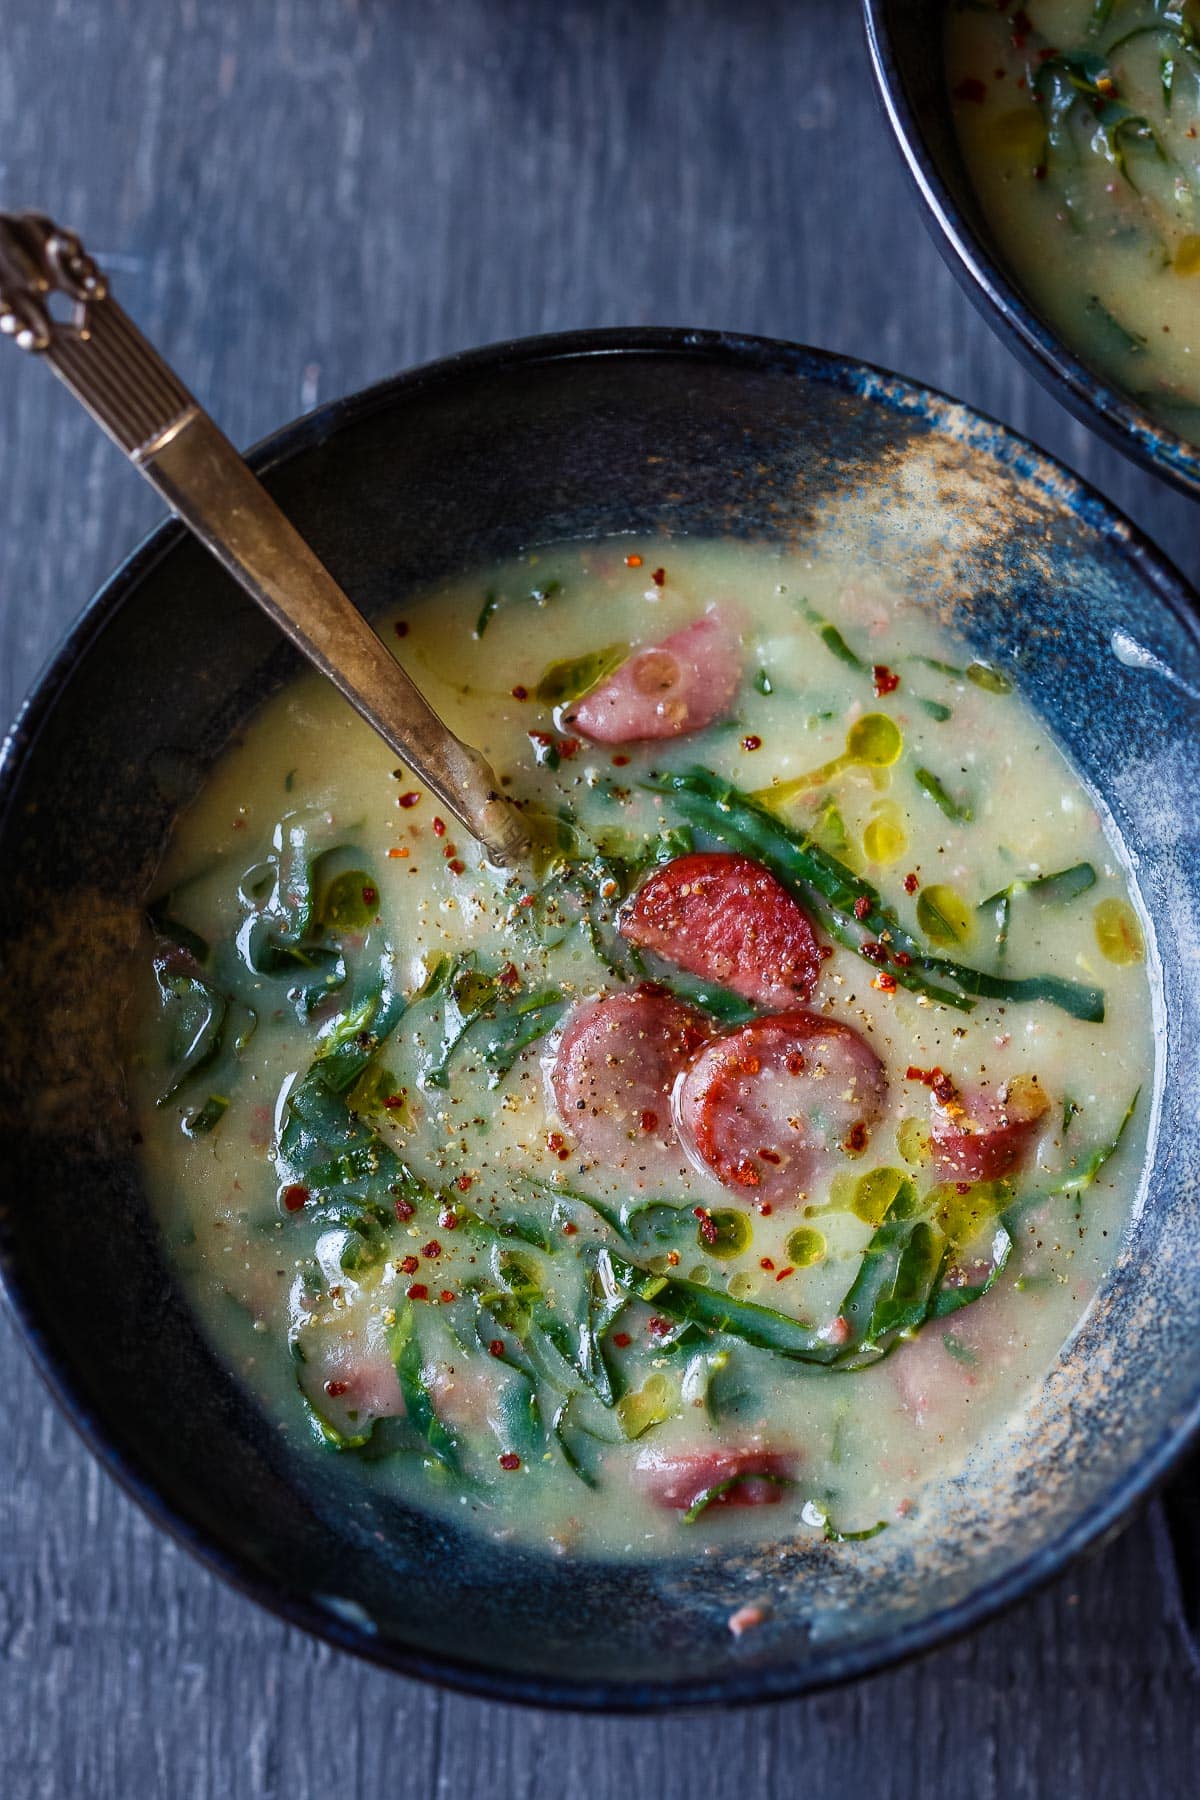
738, 1168
1080, 124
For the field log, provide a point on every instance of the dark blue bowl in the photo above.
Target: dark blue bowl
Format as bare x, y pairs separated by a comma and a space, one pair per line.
425, 476
905, 38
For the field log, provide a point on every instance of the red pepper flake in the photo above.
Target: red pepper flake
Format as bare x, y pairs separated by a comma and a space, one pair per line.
794, 1062
876, 953
509, 976
856, 1138
294, 1197
649, 1120
527, 900
520, 693
335, 1389
418, 1291
886, 682
456, 867
1022, 28
658, 1325
751, 742
885, 983
432, 1248
439, 828
764, 1209
401, 628
570, 1228
446, 1296
902, 958
404, 1209
410, 1265
784, 1273
708, 1230
659, 577
394, 1102
633, 562
448, 1218
620, 760
862, 907
622, 1339
400, 854
370, 895
911, 884
765, 1262
496, 1347
971, 88
962, 1187
510, 1460
770, 1156
409, 799
569, 747
450, 850
937, 1079
463, 1183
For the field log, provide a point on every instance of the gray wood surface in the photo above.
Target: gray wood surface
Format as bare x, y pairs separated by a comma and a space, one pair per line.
297, 197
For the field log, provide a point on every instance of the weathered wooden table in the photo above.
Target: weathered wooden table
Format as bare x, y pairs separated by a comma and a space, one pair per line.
296, 197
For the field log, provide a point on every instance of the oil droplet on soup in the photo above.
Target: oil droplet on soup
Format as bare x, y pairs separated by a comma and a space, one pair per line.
619, 1203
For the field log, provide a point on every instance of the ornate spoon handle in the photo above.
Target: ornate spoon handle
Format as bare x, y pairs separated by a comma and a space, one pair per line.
128, 389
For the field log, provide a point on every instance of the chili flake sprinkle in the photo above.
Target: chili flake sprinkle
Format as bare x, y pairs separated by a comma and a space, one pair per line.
294, 1197
510, 1460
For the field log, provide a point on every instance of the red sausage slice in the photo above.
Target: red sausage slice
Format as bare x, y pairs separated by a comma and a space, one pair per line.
677, 1480
983, 1137
765, 1107
726, 918
617, 1062
664, 690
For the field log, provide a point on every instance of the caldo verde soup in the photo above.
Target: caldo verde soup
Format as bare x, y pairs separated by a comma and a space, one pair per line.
1080, 123
737, 1168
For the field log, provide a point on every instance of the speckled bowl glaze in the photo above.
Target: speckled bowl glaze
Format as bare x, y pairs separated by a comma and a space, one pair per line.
429, 475
905, 38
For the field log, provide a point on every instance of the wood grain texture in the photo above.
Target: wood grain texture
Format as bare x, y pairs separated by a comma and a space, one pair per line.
296, 197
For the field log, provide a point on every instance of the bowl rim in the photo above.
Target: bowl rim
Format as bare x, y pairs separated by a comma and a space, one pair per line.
837, 1664
1001, 301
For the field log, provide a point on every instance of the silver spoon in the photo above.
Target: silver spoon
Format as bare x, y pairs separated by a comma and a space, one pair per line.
100, 355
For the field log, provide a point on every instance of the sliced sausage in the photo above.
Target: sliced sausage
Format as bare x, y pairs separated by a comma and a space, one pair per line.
983, 1137
351, 1382
764, 1108
676, 1480
664, 690
726, 918
617, 1062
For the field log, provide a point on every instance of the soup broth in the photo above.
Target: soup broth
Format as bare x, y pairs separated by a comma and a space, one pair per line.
1078, 122
738, 1168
